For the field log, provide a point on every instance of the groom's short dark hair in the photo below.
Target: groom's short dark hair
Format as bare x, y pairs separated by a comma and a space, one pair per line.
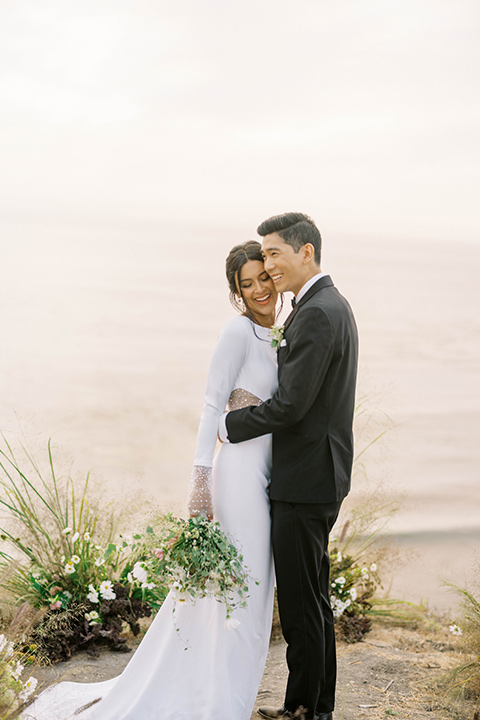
296, 229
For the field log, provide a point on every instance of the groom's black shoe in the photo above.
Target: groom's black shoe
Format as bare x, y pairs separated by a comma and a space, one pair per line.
271, 713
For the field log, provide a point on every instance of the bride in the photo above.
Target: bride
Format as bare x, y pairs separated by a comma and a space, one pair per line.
206, 671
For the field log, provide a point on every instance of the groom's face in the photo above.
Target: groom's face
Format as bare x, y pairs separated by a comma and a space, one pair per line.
285, 266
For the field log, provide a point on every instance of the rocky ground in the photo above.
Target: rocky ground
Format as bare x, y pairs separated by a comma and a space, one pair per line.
394, 672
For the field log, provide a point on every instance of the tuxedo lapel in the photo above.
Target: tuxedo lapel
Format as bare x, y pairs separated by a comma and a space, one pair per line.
290, 317
325, 281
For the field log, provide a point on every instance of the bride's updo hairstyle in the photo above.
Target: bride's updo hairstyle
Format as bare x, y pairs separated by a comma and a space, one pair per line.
237, 257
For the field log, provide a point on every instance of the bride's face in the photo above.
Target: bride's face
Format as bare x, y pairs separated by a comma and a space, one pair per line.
258, 292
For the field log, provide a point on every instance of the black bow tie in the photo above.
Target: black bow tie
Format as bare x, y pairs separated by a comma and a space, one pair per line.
294, 302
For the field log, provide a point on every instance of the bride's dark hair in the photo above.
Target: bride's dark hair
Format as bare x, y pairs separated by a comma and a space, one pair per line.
237, 257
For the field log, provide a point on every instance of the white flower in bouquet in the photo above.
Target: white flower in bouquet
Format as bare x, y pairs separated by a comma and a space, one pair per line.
92, 595
86, 537
75, 559
373, 567
231, 624
75, 537
139, 572
353, 593
69, 567
99, 562
148, 586
106, 590
66, 531
178, 595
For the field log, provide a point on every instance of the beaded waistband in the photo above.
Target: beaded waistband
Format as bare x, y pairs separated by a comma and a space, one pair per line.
240, 398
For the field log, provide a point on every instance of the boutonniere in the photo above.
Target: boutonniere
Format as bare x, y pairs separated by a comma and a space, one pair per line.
276, 333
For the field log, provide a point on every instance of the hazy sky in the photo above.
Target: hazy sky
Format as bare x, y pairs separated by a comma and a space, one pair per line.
364, 113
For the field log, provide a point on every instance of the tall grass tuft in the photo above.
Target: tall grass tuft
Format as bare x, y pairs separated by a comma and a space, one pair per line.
16, 681
465, 678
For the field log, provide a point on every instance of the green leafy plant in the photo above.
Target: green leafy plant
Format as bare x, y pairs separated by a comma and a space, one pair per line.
64, 556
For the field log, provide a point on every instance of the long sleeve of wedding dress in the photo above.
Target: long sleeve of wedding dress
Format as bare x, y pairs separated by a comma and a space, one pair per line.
189, 665
228, 357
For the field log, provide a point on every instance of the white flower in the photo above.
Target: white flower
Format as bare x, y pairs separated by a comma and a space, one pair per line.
106, 590
455, 630
373, 567
353, 593
75, 559
92, 595
17, 671
66, 531
339, 556
99, 561
8, 651
86, 536
130, 577
139, 572
92, 617
75, 537
338, 606
62, 559
67, 594
28, 688
231, 624
177, 594
69, 567
276, 336
148, 586
340, 580
365, 573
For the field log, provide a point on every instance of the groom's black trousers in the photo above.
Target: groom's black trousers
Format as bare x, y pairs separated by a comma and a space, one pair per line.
300, 534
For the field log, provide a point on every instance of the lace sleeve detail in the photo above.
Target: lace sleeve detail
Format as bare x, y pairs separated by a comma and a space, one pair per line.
200, 491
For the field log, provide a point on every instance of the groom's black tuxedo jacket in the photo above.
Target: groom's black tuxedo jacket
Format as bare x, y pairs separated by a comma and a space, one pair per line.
311, 413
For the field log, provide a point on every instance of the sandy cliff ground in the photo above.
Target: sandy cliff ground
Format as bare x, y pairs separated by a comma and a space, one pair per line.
393, 672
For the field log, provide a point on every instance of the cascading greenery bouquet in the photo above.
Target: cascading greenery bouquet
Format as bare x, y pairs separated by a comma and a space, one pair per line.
196, 559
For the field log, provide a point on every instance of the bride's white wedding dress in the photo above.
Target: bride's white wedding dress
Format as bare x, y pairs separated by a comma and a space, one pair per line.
204, 671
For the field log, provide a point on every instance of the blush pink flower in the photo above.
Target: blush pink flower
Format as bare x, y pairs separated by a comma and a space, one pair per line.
159, 553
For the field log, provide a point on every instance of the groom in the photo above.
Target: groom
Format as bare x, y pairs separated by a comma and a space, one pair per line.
310, 416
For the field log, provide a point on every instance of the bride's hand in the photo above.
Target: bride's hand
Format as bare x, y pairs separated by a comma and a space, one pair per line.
209, 516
